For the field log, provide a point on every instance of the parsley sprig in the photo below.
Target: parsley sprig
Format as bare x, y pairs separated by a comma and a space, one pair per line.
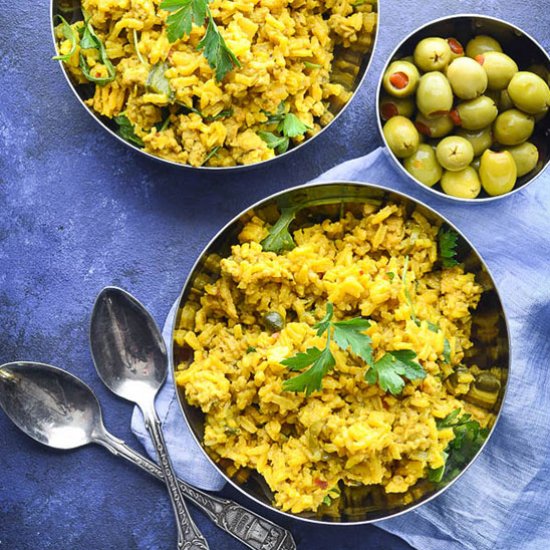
346, 334
392, 368
448, 241
69, 34
279, 237
186, 13
288, 126
127, 131
469, 437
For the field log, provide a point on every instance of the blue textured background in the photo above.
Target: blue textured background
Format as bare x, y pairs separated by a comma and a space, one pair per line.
80, 211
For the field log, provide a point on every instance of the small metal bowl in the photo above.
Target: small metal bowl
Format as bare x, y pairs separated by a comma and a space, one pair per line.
489, 334
350, 66
522, 47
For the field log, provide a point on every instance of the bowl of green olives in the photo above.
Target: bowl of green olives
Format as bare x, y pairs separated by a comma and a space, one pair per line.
463, 107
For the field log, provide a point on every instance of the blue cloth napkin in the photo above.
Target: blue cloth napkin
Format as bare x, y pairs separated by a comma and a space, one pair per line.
503, 501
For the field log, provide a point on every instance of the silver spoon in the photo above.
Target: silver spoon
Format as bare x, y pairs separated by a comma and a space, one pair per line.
130, 357
57, 409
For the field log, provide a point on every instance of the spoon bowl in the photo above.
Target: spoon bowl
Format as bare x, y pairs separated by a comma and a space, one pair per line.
130, 351
50, 405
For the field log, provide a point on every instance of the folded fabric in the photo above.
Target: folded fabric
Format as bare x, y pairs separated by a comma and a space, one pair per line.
501, 502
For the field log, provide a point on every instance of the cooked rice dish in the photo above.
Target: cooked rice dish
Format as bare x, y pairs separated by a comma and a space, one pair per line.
350, 432
286, 54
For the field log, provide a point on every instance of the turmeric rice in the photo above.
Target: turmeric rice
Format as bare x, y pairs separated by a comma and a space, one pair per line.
379, 263
285, 50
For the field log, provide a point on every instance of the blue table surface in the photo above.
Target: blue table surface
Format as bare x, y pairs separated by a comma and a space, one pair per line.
81, 211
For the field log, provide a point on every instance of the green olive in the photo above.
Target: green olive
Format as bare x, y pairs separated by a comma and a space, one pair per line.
504, 102
500, 69
467, 78
482, 44
432, 54
513, 127
454, 153
394, 106
273, 321
402, 136
457, 49
434, 96
436, 127
464, 184
529, 92
475, 114
525, 156
480, 140
401, 79
423, 165
498, 172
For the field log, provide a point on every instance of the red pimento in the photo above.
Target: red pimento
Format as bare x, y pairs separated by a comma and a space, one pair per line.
480, 58
320, 483
456, 46
423, 129
399, 80
455, 117
389, 110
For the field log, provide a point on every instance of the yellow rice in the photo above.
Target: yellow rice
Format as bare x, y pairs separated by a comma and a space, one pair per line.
350, 432
273, 40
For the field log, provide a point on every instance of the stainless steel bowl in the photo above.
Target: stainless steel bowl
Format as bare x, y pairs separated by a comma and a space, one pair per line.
490, 336
525, 50
350, 66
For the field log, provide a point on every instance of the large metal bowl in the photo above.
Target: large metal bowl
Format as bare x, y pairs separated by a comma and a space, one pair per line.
525, 50
490, 335
350, 66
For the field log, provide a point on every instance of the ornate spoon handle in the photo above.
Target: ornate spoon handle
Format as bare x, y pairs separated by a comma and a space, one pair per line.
189, 536
246, 526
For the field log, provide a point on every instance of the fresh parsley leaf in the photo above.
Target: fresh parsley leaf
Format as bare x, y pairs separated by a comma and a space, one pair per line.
392, 367
275, 118
183, 14
292, 126
126, 130
448, 240
311, 380
219, 56
279, 143
350, 335
69, 34
211, 154
469, 437
279, 237
301, 360
250, 349
157, 81
186, 13
91, 40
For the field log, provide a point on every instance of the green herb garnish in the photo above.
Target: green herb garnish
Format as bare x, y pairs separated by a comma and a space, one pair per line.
157, 81
90, 40
448, 240
288, 126
126, 130
186, 13
447, 351
136, 46
250, 349
213, 152
279, 237
346, 334
469, 437
69, 34
310, 65
390, 370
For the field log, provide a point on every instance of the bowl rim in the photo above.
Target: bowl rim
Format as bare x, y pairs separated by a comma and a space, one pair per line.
385, 66
216, 169
227, 226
